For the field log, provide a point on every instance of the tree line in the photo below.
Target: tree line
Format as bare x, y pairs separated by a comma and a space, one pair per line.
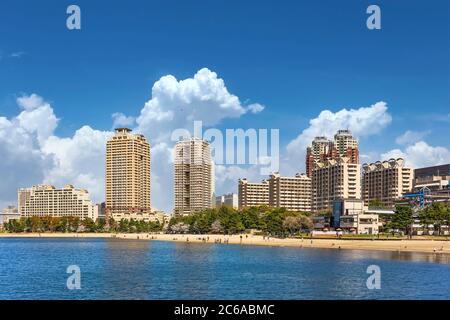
226, 220
75, 224
433, 217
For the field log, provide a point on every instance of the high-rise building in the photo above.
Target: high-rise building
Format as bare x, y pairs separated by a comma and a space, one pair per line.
194, 176
46, 200
334, 179
318, 151
386, 181
127, 176
253, 194
291, 193
322, 149
344, 145
228, 200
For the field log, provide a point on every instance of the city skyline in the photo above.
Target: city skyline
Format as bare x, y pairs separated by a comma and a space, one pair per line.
59, 103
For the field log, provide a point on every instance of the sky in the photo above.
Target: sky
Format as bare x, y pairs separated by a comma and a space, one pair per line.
306, 68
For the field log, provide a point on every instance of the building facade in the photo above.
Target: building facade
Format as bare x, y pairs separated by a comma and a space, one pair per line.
252, 194
46, 200
228, 200
194, 176
436, 171
332, 180
291, 193
127, 176
323, 149
386, 181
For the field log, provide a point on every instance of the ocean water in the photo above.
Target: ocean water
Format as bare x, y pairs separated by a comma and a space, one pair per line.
133, 269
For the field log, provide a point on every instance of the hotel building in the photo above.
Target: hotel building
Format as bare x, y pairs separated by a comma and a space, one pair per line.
332, 180
322, 149
291, 193
386, 181
127, 176
46, 200
194, 176
253, 194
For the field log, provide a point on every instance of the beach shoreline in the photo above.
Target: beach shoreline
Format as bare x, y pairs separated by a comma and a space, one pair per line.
398, 245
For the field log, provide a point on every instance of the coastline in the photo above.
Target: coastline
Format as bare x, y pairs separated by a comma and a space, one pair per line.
415, 245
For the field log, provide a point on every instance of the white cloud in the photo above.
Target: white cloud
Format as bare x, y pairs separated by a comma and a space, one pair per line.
420, 155
121, 120
410, 137
255, 108
79, 160
364, 121
177, 104
31, 153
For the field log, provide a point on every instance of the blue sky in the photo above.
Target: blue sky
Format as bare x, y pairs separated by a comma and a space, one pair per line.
296, 58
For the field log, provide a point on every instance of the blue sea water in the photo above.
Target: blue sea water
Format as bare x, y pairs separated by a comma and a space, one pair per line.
35, 268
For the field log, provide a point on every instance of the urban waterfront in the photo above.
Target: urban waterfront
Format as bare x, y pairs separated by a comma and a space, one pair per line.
132, 269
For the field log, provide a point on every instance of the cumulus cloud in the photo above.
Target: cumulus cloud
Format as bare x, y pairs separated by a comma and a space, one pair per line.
178, 103
255, 108
121, 120
31, 153
410, 137
362, 122
78, 160
420, 154
21, 137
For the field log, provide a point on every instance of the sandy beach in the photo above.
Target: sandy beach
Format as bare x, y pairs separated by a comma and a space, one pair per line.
428, 246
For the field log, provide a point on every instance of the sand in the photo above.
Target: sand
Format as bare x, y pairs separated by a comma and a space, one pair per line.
425, 245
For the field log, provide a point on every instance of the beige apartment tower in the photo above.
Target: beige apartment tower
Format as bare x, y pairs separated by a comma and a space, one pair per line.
291, 193
127, 176
386, 181
194, 176
334, 179
252, 194
322, 149
46, 200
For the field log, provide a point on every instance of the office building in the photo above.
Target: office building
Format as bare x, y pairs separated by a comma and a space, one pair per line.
194, 176
46, 200
127, 176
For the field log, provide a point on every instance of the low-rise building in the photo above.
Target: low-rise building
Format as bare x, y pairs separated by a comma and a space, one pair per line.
345, 207
290, 193
252, 194
360, 223
46, 200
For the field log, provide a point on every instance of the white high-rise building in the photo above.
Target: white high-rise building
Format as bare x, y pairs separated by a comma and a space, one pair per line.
194, 176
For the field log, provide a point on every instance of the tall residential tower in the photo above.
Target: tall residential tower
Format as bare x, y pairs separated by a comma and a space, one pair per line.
194, 176
127, 176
